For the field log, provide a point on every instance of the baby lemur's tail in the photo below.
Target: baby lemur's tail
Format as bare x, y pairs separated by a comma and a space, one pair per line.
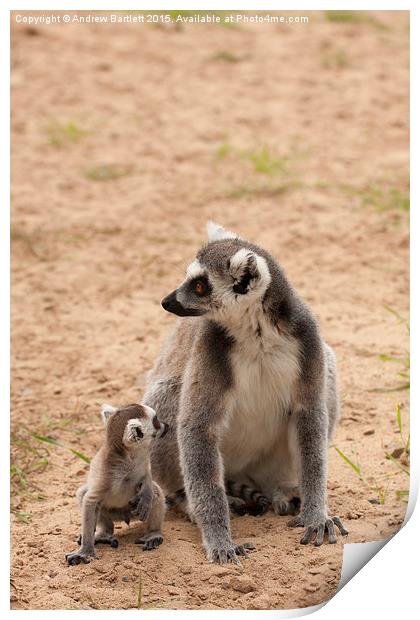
242, 498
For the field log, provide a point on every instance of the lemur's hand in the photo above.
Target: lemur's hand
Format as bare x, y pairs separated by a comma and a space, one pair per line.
316, 525
81, 556
232, 553
141, 503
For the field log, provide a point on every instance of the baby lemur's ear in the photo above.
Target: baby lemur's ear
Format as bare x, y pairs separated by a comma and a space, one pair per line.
106, 412
248, 268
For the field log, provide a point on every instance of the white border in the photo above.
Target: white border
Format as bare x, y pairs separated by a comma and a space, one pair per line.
386, 586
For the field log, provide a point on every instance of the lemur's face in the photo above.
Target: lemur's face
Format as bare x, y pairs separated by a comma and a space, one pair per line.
133, 425
225, 278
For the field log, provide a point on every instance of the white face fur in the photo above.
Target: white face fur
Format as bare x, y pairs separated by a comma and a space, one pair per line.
137, 431
222, 293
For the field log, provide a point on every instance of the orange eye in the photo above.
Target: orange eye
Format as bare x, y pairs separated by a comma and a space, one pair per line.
200, 287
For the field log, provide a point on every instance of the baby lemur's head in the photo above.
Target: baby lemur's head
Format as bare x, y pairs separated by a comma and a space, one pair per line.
131, 426
228, 276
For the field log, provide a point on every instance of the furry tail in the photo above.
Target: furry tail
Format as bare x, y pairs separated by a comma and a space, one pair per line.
250, 500
255, 502
175, 499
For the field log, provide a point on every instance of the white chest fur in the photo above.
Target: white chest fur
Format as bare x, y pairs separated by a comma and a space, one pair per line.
125, 478
265, 367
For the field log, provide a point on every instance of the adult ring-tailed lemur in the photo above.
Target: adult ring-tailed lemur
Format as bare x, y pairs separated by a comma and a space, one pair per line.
247, 387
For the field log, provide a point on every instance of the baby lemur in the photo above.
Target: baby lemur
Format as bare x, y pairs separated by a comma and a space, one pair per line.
248, 386
119, 485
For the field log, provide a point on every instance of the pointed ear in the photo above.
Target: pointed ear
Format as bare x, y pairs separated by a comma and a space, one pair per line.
106, 412
248, 270
242, 261
215, 232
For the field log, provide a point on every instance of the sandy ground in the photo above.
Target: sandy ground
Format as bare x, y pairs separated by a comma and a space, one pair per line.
126, 139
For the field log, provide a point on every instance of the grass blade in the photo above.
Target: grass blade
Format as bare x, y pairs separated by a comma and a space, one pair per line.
397, 388
384, 357
398, 464
399, 421
82, 456
50, 440
397, 316
23, 517
55, 442
349, 462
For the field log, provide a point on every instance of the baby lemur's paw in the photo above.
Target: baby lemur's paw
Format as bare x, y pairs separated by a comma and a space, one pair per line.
141, 507
150, 541
142, 511
80, 557
316, 528
141, 503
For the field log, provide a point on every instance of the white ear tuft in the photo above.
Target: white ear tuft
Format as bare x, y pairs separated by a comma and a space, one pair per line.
241, 260
106, 412
250, 269
216, 232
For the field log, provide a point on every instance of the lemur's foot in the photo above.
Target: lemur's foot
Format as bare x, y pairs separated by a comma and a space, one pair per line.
260, 508
243, 549
237, 506
285, 506
150, 541
222, 555
82, 556
286, 501
241, 508
104, 539
229, 553
316, 528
